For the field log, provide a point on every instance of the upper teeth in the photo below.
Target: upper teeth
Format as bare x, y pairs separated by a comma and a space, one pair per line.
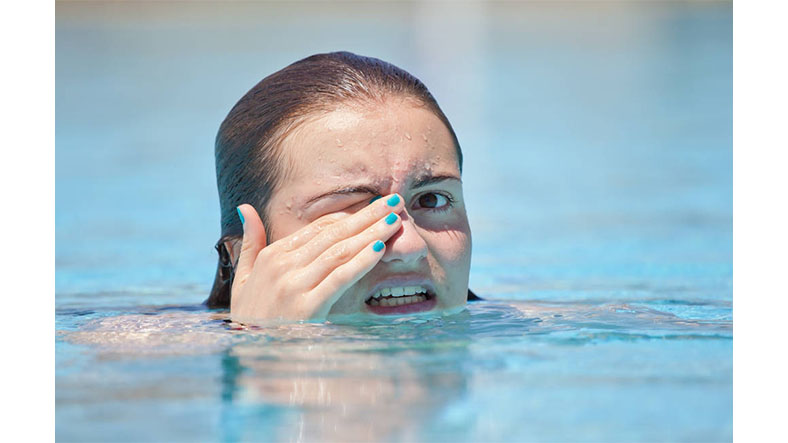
401, 291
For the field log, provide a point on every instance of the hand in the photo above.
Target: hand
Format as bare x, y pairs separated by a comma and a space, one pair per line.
301, 276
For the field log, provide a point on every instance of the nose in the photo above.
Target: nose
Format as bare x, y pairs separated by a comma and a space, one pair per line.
407, 245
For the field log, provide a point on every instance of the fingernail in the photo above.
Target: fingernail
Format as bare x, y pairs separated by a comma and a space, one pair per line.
393, 200
376, 198
378, 246
240, 215
391, 218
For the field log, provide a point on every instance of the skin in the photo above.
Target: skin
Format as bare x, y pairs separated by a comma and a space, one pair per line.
319, 263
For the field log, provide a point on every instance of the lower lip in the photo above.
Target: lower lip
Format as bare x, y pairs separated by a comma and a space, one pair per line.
421, 306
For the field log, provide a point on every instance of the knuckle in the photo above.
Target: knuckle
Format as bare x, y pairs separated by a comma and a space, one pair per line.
263, 255
341, 275
336, 231
340, 253
271, 260
294, 277
326, 221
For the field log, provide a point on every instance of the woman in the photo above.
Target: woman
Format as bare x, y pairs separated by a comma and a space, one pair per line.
302, 161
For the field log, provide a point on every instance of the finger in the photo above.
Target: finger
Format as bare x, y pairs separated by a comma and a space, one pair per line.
345, 276
308, 232
350, 226
347, 249
253, 242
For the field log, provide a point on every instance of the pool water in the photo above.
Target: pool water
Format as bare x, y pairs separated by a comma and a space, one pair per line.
598, 171
522, 372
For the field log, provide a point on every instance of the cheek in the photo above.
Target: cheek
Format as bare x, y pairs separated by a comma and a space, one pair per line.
451, 252
451, 246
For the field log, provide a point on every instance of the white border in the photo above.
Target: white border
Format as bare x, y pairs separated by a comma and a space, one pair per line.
759, 221
27, 180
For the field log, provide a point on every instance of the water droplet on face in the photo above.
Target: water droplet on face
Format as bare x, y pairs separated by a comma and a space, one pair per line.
407, 136
300, 214
339, 143
424, 136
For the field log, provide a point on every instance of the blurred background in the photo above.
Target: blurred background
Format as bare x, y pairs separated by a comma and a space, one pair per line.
596, 135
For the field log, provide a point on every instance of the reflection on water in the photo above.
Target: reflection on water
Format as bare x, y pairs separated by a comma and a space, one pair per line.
342, 393
402, 380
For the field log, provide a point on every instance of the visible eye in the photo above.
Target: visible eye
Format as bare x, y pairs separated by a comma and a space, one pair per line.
432, 200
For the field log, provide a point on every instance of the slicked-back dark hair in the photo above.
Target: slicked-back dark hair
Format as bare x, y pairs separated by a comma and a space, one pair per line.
249, 159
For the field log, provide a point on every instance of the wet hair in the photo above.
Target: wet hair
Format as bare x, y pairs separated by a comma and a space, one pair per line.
250, 163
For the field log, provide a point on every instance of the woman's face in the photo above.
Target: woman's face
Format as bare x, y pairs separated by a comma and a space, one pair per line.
340, 160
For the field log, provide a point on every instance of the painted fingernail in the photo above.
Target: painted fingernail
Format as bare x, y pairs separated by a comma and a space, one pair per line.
391, 218
393, 200
240, 215
376, 198
378, 246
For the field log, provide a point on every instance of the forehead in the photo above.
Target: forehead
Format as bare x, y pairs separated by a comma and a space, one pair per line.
387, 145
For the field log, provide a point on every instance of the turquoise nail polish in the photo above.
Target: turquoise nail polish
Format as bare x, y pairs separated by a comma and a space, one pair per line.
391, 218
240, 215
378, 246
393, 200
376, 198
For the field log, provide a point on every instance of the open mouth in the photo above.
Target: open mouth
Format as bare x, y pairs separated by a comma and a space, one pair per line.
401, 300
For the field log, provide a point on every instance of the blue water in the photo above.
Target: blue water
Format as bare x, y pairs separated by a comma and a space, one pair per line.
598, 177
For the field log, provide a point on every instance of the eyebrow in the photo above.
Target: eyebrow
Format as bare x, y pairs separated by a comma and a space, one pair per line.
432, 179
420, 182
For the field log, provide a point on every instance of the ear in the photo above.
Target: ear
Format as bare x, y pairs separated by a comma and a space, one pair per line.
233, 247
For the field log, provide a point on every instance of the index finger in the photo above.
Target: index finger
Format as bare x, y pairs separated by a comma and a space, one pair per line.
352, 225
377, 208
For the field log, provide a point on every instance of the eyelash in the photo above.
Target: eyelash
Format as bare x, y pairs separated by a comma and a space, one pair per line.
449, 201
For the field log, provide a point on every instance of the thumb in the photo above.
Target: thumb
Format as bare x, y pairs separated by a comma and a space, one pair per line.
253, 242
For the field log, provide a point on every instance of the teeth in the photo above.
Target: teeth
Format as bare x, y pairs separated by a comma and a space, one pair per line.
400, 291
398, 301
